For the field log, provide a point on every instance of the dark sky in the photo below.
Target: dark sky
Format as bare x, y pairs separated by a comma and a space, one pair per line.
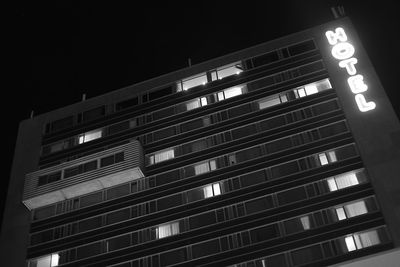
61, 50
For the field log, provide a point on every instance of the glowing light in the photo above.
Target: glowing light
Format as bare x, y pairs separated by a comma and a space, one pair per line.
363, 105
344, 51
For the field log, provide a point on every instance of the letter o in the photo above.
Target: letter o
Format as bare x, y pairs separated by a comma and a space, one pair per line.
343, 51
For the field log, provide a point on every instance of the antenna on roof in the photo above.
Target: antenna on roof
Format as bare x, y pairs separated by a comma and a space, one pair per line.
189, 62
338, 12
83, 97
32, 114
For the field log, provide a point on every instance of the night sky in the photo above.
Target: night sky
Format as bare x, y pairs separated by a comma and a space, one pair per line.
61, 50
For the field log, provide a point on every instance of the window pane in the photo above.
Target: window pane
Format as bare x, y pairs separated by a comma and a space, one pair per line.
340, 214
269, 102
192, 104
229, 70
89, 136
166, 230
208, 192
194, 81
231, 92
355, 209
163, 155
346, 180
201, 168
332, 184
350, 243
323, 159
217, 189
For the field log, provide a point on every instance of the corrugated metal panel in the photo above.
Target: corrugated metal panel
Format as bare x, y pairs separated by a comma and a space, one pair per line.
129, 169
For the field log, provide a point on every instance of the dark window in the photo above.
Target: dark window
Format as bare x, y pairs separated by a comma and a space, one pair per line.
106, 161
172, 257
248, 154
206, 248
169, 202
127, 103
263, 233
119, 242
276, 261
90, 166
164, 133
163, 113
45, 212
244, 131
284, 169
239, 111
312, 67
194, 146
118, 216
306, 255
279, 145
42, 237
195, 194
202, 220
259, 204
89, 250
94, 113
325, 107
119, 157
119, 127
118, 191
160, 93
167, 177
89, 224
296, 224
301, 47
292, 195
72, 171
346, 152
272, 123
192, 125
91, 199
62, 124
264, 82
49, 178
265, 59
333, 129
253, 178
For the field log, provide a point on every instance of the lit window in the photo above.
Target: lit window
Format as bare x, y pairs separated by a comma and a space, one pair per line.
332, 156
356, 208
302, 92
346, 180
269, 101
221, 96
225, 71
161, 156
192, 81
231, 92
205, 167
46, 261
168, 229
340, 213
305, 222
332, 184
342, 181
212, 190
283, 98
195, 103
311, 89
89, 136
203, 101
323, 159
362, 240
350, 243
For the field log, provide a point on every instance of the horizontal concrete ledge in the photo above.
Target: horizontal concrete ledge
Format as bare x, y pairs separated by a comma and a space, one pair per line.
84, 188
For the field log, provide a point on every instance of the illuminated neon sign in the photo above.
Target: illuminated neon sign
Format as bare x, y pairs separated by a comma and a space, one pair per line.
343, 51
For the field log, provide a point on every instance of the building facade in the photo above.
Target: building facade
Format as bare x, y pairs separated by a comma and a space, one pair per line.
282, 154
